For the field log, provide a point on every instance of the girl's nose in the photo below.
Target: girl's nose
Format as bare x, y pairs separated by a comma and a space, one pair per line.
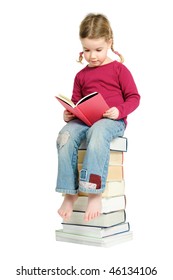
92, 55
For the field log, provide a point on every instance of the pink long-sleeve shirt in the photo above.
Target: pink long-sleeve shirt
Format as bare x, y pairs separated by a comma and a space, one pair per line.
114, 81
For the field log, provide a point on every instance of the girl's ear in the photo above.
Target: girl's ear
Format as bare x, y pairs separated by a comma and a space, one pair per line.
110, 41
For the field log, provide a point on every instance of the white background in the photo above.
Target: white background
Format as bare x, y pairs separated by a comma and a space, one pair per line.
39, 47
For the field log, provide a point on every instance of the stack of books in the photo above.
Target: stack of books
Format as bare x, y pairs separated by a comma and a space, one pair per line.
111, 226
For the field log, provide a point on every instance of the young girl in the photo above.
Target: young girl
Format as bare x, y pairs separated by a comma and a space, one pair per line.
115, 82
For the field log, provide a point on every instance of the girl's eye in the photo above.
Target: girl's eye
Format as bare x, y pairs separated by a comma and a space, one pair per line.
86, 50
99, 50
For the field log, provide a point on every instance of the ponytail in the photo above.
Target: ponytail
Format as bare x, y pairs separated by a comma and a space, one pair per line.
117, 53
120, 56
80, 57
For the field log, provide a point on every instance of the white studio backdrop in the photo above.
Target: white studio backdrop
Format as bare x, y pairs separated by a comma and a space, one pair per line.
39, 48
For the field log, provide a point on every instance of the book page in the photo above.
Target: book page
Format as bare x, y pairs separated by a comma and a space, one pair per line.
66, 100
83, 99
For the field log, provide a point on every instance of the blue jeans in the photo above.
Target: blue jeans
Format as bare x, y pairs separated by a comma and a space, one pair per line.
92, 177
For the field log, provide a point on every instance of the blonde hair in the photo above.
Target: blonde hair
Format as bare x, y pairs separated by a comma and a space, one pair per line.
95, 26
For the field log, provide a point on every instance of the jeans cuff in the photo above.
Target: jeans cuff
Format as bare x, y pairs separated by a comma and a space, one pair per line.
65, 191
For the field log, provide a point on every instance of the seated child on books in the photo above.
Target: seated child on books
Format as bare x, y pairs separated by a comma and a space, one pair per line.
116, 84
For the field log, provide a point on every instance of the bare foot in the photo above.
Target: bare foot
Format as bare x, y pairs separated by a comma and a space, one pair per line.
66, 208
94, 206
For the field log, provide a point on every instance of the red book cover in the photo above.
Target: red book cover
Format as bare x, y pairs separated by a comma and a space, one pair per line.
89, 109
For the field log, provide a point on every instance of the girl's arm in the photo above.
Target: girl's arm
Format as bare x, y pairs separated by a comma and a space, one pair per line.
129, 91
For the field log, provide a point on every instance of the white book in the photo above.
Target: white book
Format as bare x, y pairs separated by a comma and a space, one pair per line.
113, 188
87, 240
109, 204
94, 231
117, 144
104, 220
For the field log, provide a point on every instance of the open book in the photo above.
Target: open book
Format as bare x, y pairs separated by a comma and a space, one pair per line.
89, 109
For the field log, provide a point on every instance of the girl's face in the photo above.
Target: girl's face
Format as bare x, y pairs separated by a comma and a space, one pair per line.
95, 51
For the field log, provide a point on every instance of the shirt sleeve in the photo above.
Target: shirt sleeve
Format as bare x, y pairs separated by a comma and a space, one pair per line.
129, 91
77, 91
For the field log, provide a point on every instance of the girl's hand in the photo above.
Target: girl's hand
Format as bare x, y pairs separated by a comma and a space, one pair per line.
111, 113
68, 116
